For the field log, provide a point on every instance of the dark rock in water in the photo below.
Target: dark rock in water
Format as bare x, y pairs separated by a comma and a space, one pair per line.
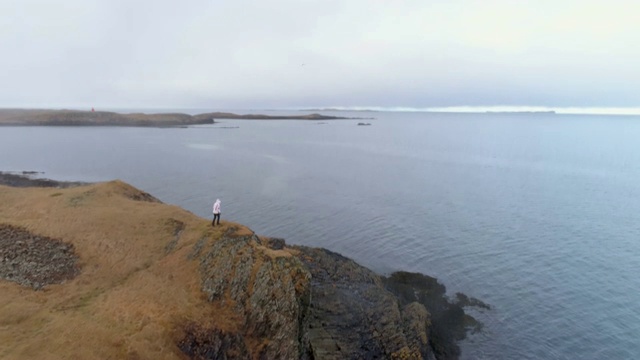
464, 301
352, 316
449, 323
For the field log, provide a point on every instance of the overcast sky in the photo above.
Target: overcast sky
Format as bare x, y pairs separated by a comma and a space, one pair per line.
296, 53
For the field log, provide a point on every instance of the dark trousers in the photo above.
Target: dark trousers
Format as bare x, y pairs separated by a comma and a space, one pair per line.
215, 216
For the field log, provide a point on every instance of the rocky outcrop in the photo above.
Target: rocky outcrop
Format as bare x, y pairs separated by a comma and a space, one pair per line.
35, 261
307, 303
449, 323
353, 316
310, 303
268, 290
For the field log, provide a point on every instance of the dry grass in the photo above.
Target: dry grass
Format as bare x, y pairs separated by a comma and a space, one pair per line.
131, 298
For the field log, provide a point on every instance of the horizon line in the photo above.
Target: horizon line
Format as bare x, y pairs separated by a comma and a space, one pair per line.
569, 110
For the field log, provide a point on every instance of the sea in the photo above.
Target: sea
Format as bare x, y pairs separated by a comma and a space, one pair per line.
536, 214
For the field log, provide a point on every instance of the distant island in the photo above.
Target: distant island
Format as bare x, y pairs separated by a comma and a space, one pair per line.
42, 117
338, 109
550, 112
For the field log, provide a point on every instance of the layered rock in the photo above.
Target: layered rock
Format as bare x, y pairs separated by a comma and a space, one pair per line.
268, 292
302, 303
353, 316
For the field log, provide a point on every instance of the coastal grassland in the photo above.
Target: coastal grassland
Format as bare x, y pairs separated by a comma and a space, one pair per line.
132, 294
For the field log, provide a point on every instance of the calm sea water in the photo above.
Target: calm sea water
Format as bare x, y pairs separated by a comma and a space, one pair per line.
537, 215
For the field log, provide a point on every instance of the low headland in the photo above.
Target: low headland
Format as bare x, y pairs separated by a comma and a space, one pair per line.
104, 270
41, 117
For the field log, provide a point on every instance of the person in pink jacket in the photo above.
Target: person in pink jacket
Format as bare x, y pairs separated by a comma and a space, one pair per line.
216, 212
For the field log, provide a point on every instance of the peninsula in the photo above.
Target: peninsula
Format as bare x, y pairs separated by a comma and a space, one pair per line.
41, 117
97, 271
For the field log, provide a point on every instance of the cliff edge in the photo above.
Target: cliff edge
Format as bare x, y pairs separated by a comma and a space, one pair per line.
108, 271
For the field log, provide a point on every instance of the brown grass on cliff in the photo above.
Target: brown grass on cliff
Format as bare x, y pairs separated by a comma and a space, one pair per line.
133, 292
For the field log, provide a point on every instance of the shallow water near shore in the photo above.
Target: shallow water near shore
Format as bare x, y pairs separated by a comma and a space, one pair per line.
535, 214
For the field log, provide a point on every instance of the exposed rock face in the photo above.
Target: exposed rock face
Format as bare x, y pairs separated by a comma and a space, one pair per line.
33, 260
417, 321
301, 303
449, 323
310, 303
352, 316
267, 289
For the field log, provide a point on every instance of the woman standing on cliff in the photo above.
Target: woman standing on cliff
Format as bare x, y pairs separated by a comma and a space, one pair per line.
216, 212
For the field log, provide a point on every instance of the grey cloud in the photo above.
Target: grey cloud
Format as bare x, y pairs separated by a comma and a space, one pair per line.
286, 53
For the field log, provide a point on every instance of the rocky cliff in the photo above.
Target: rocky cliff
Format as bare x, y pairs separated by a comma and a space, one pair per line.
107, 271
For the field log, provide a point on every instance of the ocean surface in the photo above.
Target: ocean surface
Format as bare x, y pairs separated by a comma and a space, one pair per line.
536, 214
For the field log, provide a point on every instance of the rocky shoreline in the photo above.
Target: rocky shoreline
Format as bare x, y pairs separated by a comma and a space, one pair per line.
266, 299
26, 117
